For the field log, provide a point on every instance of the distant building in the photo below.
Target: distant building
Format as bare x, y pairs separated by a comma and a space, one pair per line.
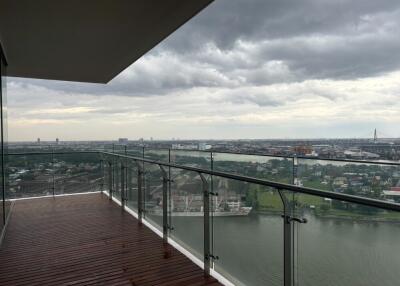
359, 154
123, 140
393, 195
38, 140
57, 141
184, 146
204, 146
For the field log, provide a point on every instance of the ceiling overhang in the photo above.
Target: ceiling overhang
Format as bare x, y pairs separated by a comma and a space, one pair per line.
86, 40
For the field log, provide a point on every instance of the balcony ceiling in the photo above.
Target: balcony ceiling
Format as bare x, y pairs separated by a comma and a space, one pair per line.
87, 41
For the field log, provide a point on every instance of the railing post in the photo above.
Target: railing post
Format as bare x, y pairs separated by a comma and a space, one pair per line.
164, 203
206, 210
289, 219
140, 194
110, 183
123, 196
127, 177
102, 175
287, 242
53, 177
294, 169
169, 192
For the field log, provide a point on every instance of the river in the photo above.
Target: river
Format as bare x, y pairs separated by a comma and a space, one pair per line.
330, 252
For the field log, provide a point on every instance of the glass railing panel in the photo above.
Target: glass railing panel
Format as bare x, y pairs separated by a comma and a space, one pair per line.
135, 151
196, 159
186, 210
278, 169
132, 185
372, 180
30, 175
157, 154
346, 244
76, 173
248, 232
153, 194
119, 149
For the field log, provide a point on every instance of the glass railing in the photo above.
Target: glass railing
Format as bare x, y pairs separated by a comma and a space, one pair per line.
54, 173
346, 243
362, 178
192, 158
278, 169
256, 231
250, 219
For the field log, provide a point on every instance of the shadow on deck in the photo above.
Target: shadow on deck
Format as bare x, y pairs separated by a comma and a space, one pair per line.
88, 240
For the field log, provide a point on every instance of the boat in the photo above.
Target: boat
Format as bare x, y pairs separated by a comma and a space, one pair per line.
192, 206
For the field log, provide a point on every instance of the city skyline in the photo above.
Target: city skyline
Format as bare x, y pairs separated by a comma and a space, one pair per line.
238, 70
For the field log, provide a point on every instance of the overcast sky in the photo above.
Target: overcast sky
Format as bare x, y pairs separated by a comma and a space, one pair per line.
239, 69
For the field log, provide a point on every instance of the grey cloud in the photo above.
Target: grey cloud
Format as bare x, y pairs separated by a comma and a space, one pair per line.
226, 21
259, 99
364, 36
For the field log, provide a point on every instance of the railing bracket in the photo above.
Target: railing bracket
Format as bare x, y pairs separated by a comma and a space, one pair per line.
296, 219
213, 257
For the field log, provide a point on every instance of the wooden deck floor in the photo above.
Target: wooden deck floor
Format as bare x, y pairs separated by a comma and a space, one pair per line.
88, 240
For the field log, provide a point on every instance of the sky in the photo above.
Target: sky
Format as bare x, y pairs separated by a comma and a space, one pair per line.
241, 69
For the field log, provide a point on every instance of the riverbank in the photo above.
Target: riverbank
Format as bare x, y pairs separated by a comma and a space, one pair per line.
349, 216
337, 215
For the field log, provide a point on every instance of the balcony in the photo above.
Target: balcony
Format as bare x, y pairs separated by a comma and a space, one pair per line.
173, 217
141, 216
